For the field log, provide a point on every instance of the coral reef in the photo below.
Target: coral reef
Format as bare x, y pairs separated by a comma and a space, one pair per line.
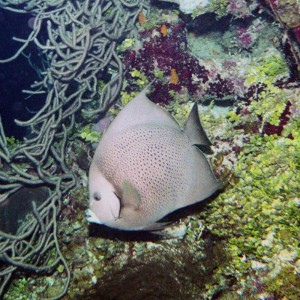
158, 57
262, 215
245, 238
287, 11
237, 8
187, 6
166, 58
243, 243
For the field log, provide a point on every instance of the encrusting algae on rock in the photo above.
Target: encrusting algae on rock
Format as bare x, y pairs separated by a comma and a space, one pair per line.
262, 217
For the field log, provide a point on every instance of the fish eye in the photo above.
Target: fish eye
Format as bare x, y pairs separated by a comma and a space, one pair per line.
97, 197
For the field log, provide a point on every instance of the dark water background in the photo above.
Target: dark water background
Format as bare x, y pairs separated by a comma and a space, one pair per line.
17, 74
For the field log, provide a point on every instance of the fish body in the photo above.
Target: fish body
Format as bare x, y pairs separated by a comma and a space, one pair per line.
146, 166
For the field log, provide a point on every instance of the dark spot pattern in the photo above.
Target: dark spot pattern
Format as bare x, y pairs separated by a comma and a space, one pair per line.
154, 160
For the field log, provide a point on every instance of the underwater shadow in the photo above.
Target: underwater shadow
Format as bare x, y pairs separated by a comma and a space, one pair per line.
96, 230
18, 206
172, 271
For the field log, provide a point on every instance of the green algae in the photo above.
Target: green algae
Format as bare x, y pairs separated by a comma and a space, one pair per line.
140, 78
179, 108
219, 7
285, 285
271, 100
127, 44
253, 215
267, 70
89, 135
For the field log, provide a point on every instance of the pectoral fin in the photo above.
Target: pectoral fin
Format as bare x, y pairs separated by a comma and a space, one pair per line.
130, 196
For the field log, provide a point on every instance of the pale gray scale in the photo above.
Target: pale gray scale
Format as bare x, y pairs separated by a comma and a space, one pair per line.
154, 161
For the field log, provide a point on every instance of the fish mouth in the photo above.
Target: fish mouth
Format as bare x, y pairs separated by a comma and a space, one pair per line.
91, 217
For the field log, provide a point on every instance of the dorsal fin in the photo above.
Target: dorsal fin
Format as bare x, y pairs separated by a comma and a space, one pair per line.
194, 130
140, 111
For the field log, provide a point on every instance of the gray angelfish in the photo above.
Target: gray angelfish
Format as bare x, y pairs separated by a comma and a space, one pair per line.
145, 167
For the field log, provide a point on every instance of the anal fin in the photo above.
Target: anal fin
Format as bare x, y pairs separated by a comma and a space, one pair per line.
155, 227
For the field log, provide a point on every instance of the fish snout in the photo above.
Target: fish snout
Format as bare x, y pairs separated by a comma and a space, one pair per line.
91, 217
